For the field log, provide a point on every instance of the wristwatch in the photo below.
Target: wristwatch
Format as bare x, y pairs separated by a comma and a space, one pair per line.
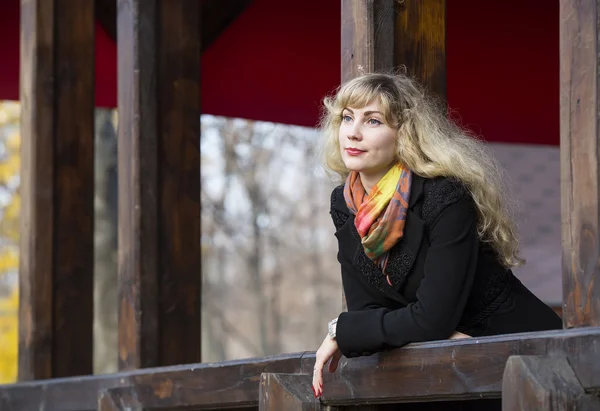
332, 328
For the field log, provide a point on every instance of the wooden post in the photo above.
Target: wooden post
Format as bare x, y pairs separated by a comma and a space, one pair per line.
544, 384
159, 183
367, 36
421, 42
580, 168
57, 187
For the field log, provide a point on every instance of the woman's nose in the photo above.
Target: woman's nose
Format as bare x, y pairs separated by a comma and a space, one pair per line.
355, 134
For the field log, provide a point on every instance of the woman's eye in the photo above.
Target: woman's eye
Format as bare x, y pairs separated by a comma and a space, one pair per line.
373, 122
346, 118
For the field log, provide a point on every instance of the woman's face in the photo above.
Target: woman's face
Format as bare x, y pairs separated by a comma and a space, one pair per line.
367, 143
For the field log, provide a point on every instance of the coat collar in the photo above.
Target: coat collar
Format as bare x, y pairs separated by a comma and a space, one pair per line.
416, 190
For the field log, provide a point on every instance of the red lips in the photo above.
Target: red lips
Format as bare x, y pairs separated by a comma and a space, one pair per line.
354, 151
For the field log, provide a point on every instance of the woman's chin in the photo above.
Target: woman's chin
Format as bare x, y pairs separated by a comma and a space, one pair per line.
354, 165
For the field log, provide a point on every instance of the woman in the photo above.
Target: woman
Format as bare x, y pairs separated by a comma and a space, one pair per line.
425, 242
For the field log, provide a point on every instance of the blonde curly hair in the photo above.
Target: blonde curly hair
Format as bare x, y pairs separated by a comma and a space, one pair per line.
431, 145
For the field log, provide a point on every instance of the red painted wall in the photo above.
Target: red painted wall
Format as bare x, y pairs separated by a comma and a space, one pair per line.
277, 61
503, 68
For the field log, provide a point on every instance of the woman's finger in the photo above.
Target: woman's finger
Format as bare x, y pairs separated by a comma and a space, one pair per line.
318, 378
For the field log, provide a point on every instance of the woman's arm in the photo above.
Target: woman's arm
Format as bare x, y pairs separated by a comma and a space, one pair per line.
450, 267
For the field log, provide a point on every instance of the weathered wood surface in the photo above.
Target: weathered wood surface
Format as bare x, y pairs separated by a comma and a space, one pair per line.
420, 42
228, 384
138, 185
57, 184
542, 383
381, 35
290, 392
215, 17
471, 368
180, 277
466, 369
367, 37
159, 183
470, 405
580, 161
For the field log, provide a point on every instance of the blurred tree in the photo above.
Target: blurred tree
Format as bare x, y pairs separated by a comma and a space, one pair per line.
10, 162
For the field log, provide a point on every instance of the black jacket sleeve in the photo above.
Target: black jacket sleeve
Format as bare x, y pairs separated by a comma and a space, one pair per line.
450, 266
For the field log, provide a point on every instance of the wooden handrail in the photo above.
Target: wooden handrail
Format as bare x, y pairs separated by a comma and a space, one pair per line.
441, 370
230, 383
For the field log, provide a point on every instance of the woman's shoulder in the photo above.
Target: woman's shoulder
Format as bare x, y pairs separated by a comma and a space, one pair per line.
439, 193
338, 210
337, 200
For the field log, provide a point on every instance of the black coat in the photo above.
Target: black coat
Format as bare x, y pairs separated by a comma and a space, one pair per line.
444, 278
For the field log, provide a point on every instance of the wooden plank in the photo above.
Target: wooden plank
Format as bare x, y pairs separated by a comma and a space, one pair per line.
580, 166
159, 183
216, 16
107, 401
179, 164
57, 183
138, 185
471, 405
452, 370
541, 383
367, 37
468, 369
232, 384
290, 392
420, 44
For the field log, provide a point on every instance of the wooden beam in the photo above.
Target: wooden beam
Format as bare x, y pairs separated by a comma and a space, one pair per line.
467, 369
231, 384
106, 15
290, 392
159, 183
544, 384
215, 15
580, 161
367, 37
420, 44
383, 35
138, 185
57, 187
179, 159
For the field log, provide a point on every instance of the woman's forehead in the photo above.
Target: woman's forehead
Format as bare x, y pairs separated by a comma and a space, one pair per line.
374, 105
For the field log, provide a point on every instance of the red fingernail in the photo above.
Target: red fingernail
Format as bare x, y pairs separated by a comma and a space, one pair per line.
314, 391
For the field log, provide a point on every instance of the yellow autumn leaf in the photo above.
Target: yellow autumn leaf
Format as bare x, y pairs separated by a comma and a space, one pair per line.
9, 337
9, 168
13, 142
9, 260
9, 235
11, 211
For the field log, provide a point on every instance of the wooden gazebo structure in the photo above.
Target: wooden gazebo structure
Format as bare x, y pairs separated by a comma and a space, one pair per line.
159, 48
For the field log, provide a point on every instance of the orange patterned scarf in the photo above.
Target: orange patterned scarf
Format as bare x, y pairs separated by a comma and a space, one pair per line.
380, 215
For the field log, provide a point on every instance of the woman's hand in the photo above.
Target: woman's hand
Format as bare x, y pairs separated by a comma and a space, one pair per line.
328, 350
457, 334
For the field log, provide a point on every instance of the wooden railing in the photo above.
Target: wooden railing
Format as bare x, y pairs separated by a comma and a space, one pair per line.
561, 364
